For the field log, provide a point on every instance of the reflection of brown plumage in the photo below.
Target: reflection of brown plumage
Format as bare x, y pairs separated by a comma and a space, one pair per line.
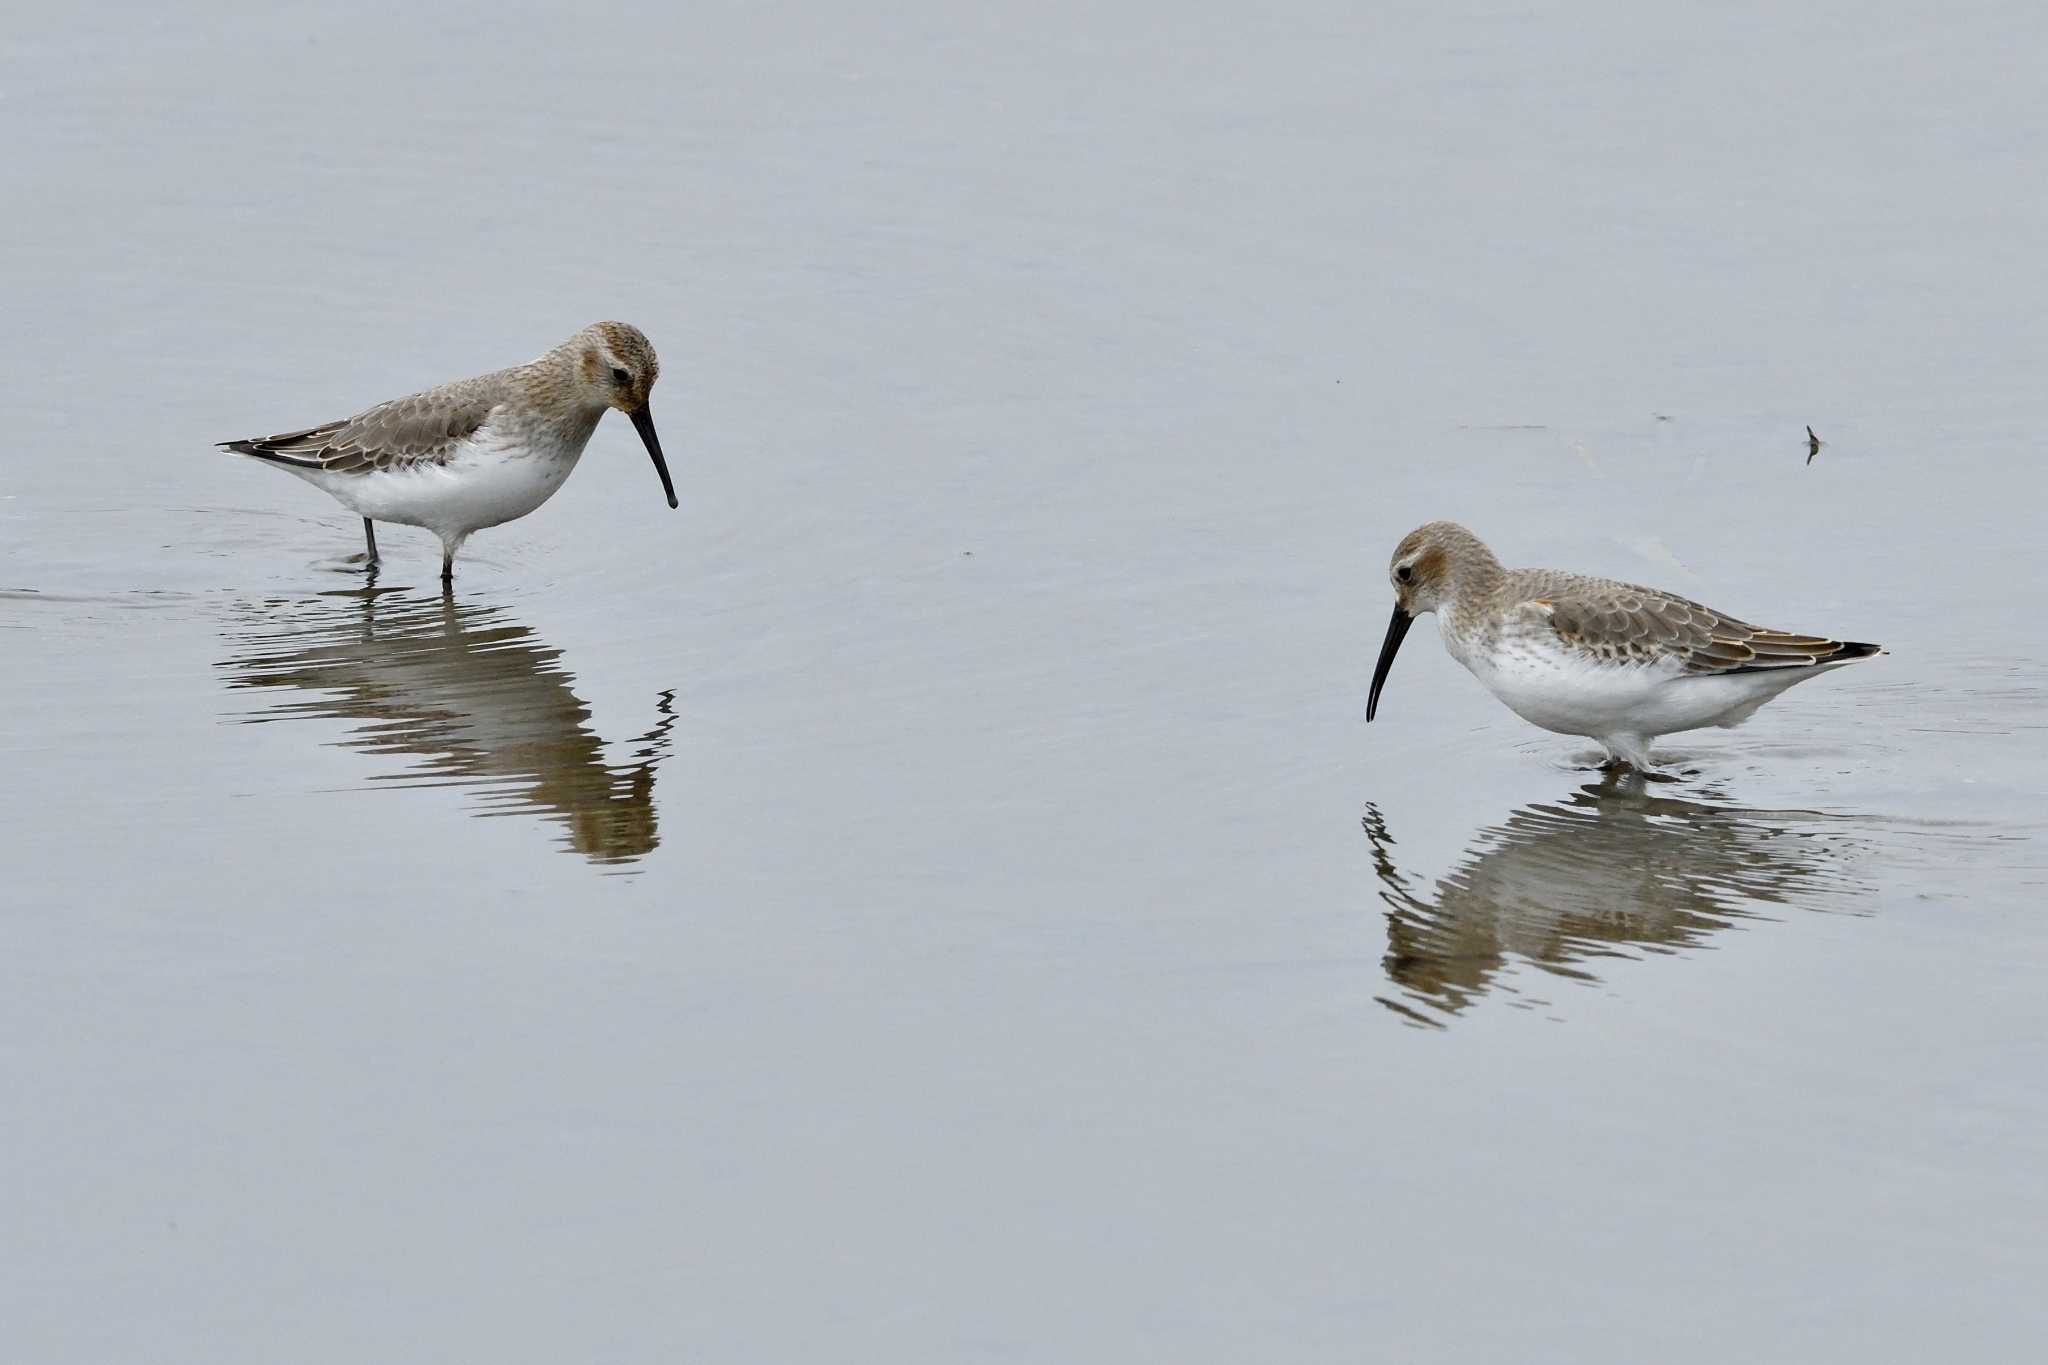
1609, 868
474, 695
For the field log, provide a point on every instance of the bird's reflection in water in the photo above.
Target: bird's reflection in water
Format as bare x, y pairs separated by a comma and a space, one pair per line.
477, 699
1611, 870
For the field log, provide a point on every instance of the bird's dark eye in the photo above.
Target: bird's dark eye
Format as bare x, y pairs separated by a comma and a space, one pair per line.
1406, 573
621, 378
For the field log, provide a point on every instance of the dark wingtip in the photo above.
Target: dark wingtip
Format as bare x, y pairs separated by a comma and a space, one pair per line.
268, 456
1839, 653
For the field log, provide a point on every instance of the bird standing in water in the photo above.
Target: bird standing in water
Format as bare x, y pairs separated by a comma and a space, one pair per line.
476, 452
1590, 656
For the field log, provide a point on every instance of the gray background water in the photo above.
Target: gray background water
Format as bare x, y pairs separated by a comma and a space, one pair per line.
934, 897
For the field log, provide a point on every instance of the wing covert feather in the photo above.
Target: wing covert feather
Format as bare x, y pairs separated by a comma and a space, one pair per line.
1625, 623
422, 428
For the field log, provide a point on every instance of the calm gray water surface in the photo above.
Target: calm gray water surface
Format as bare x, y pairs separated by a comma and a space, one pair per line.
934, 897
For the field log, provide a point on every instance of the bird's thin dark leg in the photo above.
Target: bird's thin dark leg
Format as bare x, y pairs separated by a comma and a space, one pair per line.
370, 538
447, 567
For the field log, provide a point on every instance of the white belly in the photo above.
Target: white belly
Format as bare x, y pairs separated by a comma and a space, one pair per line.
483, 484
1559, 689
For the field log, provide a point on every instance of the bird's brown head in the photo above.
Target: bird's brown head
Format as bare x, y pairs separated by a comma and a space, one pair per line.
1421, 567
1431, 566
615, 366
615, 362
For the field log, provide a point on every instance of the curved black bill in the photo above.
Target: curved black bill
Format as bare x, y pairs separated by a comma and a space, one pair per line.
1396, 628
643, 422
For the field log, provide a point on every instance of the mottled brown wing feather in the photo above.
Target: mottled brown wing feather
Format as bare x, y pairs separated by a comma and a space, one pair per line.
1632, 624
424, 428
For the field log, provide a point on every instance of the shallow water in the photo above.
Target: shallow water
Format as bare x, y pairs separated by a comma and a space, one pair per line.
935, 896
463, 696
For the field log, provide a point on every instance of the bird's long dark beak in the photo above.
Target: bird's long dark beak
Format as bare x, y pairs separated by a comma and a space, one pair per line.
1396, 629
643, 422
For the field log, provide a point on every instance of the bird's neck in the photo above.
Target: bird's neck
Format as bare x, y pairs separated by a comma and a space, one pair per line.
1464, 610
553, 411
571, 430
1475, 578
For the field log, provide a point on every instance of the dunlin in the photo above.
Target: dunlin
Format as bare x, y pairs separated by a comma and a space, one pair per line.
1589, 656
478, 452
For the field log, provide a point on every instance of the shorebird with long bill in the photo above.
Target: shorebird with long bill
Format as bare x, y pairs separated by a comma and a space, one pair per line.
476, 452
1615, 662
